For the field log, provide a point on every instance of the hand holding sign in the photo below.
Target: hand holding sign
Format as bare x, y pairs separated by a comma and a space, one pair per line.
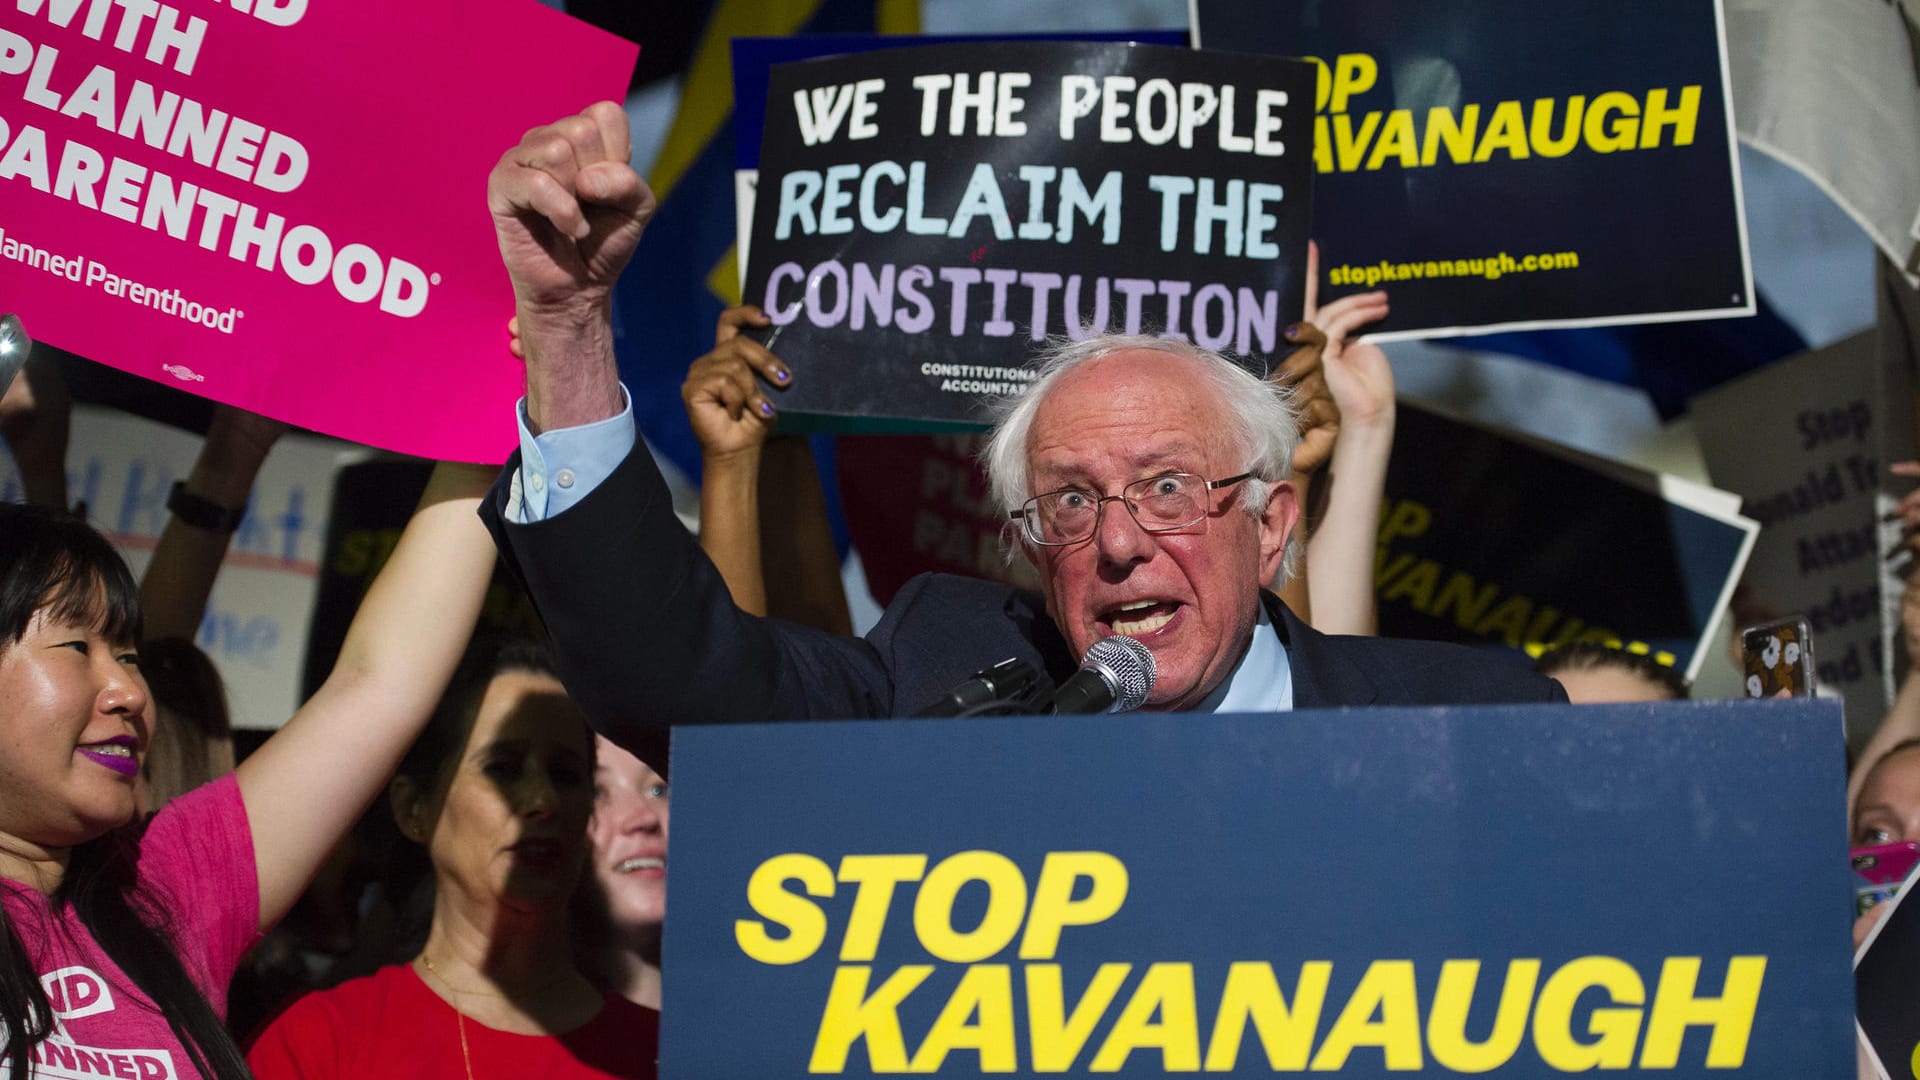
568, 211
1358, 375
730, 412
1303, 372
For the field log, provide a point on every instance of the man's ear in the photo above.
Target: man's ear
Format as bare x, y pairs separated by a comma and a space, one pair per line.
1278, 519
1028, 550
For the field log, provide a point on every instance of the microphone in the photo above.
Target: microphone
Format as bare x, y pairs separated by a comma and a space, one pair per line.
1116, 676
1011, 687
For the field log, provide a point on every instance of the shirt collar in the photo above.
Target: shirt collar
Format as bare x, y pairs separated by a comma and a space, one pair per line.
1262, 681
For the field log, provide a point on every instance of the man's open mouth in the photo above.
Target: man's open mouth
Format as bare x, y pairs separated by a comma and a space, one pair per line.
1140, 617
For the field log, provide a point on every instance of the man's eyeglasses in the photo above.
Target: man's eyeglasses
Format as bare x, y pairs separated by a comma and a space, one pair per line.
1159, 504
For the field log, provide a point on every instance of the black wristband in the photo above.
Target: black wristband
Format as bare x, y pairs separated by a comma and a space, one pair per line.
201, 512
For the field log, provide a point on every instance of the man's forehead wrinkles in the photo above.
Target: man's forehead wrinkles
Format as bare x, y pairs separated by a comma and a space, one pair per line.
1074, 461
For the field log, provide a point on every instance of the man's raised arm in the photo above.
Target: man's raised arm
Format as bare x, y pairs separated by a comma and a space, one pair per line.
568, 210
643, 629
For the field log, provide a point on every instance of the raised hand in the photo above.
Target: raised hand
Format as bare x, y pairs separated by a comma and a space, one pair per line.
568, 209
728, 408
1304, 372
1357, 372
1360, 385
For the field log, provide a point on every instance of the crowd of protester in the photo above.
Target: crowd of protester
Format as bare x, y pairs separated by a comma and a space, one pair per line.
516, 924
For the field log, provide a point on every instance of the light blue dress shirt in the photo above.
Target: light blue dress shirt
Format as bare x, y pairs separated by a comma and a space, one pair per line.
1264, 680
559, 467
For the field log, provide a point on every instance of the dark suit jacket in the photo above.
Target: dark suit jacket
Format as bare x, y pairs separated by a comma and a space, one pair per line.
646, 635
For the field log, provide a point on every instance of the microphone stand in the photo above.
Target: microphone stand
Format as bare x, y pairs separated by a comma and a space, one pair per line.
1011, 687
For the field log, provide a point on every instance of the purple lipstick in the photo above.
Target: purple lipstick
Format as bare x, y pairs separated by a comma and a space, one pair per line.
120, 753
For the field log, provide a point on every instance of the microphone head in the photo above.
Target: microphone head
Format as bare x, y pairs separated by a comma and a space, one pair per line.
1128, 667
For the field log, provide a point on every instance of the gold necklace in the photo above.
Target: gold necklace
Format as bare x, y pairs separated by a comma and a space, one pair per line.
557, 978
459, 1018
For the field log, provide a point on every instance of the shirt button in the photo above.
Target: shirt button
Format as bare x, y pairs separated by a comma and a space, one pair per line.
564, 478
537, 482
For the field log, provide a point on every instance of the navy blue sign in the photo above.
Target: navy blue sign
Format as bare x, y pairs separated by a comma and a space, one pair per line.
1518, 891
1508, 163
1489, 538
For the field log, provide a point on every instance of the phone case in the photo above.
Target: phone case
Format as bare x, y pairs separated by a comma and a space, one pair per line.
1879, 870
1778, 656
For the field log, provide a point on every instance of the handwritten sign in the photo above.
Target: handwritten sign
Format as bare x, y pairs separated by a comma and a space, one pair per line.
926, 217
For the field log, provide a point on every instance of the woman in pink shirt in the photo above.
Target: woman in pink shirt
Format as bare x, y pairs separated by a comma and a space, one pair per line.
117, 940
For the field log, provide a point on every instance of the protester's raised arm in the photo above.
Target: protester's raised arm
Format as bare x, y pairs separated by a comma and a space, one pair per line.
180, 576
1319, 421
643, 626
305, 787
732, 417
798, 557
1341, 546
568, 210
763, 517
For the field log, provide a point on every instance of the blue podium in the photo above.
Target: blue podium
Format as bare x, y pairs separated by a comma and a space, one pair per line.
1518, 891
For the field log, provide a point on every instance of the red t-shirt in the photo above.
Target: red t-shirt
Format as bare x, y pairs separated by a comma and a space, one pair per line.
195, 869
391, 1023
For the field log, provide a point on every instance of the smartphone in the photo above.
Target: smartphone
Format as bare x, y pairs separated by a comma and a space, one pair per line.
1778, 656
1879, 870
14, 347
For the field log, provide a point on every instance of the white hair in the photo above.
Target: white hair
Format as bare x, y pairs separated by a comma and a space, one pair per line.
1261, 420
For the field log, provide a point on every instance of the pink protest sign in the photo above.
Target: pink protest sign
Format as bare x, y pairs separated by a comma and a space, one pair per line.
281, 205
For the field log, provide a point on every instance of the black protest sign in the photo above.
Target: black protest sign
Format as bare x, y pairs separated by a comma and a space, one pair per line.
927, 216
1511, 164
1490, 538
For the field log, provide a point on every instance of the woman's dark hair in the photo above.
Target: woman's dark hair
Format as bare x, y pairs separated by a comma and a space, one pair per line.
59, 564
446, 732
1592, 656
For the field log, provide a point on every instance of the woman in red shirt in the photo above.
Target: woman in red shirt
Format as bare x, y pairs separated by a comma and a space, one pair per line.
498, 790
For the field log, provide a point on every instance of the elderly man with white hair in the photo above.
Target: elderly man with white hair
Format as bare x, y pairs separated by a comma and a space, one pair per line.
1147, 480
